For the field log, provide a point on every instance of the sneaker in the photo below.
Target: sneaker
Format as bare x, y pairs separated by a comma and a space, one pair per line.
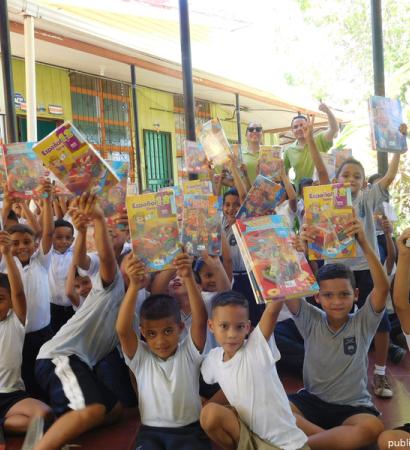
396, 354
34, 433
381, 386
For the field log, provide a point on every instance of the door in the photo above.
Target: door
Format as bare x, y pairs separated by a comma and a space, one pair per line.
44, 127
158, 159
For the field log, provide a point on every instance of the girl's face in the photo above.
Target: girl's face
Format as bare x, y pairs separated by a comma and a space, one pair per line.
231, 206
353, 174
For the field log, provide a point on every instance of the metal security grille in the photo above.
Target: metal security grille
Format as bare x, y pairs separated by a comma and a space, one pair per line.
158, 159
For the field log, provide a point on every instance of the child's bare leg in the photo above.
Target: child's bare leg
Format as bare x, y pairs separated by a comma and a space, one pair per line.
221, 425
71, 425
307, 427
391, 439
381, 347
20, 415
357, 431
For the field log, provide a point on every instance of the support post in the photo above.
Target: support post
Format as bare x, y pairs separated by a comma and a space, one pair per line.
238, 118
378, 68
11, 124
30, 70
136, 129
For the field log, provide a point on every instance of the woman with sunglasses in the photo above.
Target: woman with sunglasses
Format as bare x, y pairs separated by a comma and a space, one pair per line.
250, 155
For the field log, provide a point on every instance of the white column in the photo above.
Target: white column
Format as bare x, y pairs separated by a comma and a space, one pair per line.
30, 64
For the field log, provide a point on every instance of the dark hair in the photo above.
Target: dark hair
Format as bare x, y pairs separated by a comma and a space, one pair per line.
336, 270
232, 191
299, 116
160, 306
305, 182
374, 177
350, 161
229, 298
63, 223
12, 216
4, 282
21, 228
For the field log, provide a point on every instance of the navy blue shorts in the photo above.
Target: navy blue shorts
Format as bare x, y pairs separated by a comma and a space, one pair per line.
9, 399
71, 385
323, 414
189, 437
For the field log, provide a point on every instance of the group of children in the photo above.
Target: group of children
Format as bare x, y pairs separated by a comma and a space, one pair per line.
201, 354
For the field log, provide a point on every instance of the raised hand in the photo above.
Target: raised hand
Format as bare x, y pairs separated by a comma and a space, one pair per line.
136, 270
308, 127
5, 243
183, 264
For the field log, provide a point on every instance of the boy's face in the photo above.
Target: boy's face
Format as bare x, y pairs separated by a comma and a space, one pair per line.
162, 335
119, 235
208, 279
336, 297
231, 206
352, 174
83, 286
176, 287
62, 239
23, 246
5, 302
16, 207
230, 325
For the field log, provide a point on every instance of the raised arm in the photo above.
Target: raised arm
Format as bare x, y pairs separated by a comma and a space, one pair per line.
31, 218
226, 257
239, 184
183, 263
80, 257
333, 129
70, 286
391, 173
161, 281
391, 249
135, 270
378, 296
290, 191
401, 290
47, 221
221, 278
269, 317
18, 298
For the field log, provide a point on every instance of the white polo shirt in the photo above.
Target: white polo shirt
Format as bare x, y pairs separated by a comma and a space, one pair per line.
57, 276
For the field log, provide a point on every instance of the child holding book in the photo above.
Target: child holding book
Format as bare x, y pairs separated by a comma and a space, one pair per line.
336, 344
17, 409
401, 299
259, 415
167, 370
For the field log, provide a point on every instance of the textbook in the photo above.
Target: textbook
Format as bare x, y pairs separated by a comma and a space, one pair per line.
112, 201
262, 199
154, 229
201, 224
386, 116
74, 161
270, 161
276, 270
179, 199
24, 170
214, 142
197, 187
329, 161
328, 210
195, 158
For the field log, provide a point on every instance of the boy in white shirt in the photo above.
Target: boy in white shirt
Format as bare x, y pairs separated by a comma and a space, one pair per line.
17, 409
166, 369
246, 372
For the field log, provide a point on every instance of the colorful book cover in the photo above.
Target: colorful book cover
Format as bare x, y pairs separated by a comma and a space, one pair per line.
214, 142
195, 158
112, 200
386, 116
328, 210
197, 187
24, 170
270, 161
74, 161
341, 154
237, 152
154, 229
3, 175
201, 224
280, 272
262, 198
329, 161
179, 199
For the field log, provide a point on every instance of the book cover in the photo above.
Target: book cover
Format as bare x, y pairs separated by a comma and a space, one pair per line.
280, 272
328, 210
341, 154
179, 199
270, 161
213, 140
237, 152
262, 198
197, 187
195, 158
24, 170
201, 224
329, 161
74, 161
386, 116
112, 201
3, 175
154, 229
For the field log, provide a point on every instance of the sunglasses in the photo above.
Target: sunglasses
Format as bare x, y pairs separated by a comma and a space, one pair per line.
254, 129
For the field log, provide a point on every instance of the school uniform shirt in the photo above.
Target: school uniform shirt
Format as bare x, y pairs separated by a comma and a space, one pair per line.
238, 265
168, 390
335, 364
90, 334
36, 287
57, 276
251, 384
11, 344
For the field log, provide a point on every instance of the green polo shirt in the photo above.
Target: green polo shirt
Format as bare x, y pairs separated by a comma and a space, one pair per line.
298, 157
251, 162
